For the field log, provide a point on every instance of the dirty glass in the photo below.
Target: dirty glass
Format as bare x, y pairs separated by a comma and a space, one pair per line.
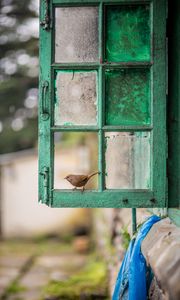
76, 34
127, 160
76, 98
127, 96
127, 33
75, 153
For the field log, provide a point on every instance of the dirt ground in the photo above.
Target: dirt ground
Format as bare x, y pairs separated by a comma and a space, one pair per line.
51, 270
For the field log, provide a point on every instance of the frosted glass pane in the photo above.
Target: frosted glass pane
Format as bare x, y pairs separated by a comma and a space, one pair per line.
75, 153
76, 98
127, 160
76, 34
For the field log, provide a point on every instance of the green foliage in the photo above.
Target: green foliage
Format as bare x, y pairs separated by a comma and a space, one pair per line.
15, 288
89, 282
19, 140
19, 74
74, 139
126, 238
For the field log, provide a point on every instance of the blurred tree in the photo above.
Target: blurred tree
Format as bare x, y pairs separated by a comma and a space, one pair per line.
18, 74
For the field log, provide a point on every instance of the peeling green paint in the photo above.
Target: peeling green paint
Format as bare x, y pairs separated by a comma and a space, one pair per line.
128, 33
127, 97
137, 43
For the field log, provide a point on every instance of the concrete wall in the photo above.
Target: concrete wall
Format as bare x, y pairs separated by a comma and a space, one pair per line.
21, 214
161, 249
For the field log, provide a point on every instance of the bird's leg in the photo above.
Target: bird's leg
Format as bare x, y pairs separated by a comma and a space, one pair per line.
74, 188
83, 188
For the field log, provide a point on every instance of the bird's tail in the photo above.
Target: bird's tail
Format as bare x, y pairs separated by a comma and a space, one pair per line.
91, 175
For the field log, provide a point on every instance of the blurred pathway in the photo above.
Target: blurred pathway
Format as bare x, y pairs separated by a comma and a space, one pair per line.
47, 270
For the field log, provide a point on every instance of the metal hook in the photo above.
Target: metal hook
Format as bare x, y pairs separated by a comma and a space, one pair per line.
46, 22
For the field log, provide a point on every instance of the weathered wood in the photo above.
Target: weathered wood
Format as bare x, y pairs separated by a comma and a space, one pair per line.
174, 104
159, 150
107, 198
45, 139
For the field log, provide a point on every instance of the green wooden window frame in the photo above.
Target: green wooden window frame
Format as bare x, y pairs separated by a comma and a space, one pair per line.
156, 195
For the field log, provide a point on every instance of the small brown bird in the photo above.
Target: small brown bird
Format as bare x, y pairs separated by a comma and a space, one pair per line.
79, 180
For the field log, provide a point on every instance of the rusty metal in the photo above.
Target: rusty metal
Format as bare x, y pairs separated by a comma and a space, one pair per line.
134, 222
45, 174
45, 23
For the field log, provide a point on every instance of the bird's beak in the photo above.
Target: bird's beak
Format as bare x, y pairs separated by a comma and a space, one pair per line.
65, 177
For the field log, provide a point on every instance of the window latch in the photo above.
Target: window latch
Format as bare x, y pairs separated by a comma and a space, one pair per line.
44, 114
45, 174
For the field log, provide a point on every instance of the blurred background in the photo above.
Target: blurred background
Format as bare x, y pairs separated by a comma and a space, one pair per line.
18, 75
39, 246
18, 129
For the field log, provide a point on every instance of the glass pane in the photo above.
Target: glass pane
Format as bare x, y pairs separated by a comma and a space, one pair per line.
127, 160
76, 98
128, 33
75, 153
76, 34
127, 97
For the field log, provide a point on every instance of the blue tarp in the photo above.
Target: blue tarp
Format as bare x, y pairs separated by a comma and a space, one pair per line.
132, 279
